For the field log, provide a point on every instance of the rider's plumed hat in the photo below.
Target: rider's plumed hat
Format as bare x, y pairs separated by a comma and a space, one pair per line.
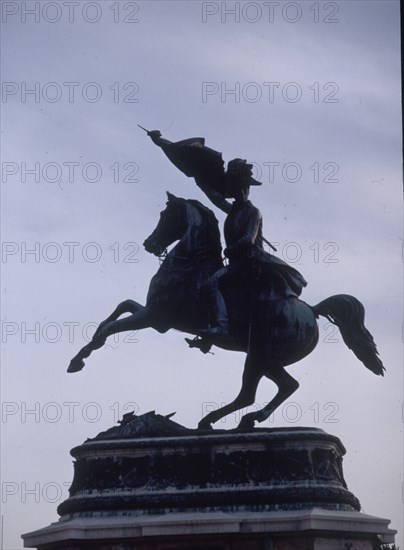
239, 172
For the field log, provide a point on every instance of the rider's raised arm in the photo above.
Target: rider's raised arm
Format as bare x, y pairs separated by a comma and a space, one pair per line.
155, 136
214, 196
203, 164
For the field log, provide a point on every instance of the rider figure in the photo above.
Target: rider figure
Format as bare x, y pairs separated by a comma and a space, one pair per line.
242, 228
247, 257
243, 236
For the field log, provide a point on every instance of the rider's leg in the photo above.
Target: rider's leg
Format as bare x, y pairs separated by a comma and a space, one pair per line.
219, 320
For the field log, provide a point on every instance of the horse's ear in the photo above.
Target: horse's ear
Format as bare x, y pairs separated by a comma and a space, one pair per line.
170, 196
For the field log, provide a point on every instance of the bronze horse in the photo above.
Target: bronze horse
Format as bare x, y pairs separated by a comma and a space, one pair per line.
272, 329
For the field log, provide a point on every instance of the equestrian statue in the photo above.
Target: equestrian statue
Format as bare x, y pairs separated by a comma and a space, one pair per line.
248, 303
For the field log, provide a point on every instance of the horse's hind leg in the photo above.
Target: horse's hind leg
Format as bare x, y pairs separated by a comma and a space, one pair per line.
287, 385
133, 322
246, 397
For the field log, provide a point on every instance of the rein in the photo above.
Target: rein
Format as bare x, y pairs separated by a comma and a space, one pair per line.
162, 256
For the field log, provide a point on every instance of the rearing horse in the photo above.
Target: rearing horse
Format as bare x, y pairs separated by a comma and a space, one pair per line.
272, 329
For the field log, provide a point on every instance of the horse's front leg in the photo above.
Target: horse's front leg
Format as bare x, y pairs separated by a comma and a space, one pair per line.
132, 322
127, 306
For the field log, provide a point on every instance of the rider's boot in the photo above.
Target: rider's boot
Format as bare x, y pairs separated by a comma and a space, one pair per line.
221, 330
220, 322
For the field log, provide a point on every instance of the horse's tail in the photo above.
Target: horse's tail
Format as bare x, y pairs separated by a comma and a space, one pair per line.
348, 314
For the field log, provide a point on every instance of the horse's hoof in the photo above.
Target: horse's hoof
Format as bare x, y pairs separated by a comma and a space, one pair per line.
204, 426
75, 365
246, 423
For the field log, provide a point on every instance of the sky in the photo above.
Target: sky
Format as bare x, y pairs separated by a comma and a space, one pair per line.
309, 92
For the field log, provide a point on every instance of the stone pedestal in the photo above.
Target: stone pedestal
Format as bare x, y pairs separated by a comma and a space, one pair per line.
151, 484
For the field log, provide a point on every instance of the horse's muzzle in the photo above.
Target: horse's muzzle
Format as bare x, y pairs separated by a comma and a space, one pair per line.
153, 247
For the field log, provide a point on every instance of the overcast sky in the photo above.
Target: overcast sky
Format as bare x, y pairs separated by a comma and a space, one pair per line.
309, 92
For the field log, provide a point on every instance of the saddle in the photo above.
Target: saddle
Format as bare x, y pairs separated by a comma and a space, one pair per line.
243, 300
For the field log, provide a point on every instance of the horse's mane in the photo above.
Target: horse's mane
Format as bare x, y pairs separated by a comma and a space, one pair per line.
205, 211
207, 214
211, 221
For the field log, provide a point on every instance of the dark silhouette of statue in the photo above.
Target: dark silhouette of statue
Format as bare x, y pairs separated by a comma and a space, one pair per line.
242, 229
250, 305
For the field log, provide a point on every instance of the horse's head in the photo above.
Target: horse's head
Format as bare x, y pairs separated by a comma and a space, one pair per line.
171, 226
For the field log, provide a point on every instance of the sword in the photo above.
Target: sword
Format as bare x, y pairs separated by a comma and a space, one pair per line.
269, 244
147, 131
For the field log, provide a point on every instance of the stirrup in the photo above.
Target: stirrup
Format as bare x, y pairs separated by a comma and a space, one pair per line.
199, 343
